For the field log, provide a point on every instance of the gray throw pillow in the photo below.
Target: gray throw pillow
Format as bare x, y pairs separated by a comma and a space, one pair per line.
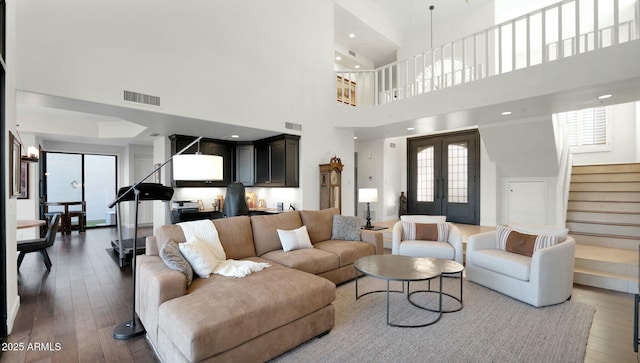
345, 228
173, 258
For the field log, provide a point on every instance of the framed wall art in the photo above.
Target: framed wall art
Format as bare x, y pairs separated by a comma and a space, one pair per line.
346, 91
24, 180
15, 175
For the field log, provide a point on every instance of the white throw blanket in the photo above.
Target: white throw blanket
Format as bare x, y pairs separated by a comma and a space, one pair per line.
206, 231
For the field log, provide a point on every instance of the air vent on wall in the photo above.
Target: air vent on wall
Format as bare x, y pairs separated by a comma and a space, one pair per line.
352, 53
131, 96
292, 126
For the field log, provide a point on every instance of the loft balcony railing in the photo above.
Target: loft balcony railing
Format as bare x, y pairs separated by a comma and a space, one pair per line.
555, 32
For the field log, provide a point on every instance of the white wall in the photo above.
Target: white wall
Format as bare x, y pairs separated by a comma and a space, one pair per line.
444, 31
245, 50
373, 14
395, 175
13, 300
371, 174
522, 148
623, 137
507, 10
490, 198
162, 152
637, 131
256, 64
29, 208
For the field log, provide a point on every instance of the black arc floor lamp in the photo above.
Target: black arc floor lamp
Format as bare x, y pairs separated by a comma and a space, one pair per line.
150, 191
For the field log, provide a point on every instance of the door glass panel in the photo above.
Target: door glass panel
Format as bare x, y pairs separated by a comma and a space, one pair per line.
64, 179
458, 175
425, 174
100, 188
66, 182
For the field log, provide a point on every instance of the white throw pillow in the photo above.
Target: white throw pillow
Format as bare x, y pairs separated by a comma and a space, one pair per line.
294, 239
199, 256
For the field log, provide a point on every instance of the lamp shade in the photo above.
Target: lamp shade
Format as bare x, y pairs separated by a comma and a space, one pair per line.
197, 167
367, 195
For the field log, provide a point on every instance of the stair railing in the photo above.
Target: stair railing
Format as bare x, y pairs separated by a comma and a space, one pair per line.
565, 164
561, 30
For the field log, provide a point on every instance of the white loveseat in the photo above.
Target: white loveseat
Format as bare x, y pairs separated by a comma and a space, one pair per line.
545, 278
449, 250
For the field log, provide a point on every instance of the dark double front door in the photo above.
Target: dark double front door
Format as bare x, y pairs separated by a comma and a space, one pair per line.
444, 176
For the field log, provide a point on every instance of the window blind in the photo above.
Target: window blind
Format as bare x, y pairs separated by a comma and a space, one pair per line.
587, 127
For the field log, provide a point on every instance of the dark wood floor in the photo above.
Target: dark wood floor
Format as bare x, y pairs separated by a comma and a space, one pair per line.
77, 304
86, 295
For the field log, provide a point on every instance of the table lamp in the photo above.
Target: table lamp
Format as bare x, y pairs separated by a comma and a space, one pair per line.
368, 195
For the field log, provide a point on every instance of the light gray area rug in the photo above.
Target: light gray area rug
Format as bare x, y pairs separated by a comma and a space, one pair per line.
490, 328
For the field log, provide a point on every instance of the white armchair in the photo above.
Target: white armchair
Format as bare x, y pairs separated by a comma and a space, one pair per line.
545, 278
449, 250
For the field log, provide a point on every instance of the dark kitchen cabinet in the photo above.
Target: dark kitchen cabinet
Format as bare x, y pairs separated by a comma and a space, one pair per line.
244, 164
277, 161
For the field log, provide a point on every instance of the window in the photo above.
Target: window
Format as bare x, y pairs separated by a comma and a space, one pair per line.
458, 179
587, 128
83, 177
425, 182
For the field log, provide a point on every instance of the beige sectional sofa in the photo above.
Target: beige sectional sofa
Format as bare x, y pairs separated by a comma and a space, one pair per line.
257, 317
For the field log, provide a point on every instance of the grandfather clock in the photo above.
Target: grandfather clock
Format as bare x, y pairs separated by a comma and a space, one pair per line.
331, 184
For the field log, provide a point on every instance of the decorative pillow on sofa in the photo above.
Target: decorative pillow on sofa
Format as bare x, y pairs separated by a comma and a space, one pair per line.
170, 254
294, 239
560, 232
510, 240
199, 256
425, 231
346, 228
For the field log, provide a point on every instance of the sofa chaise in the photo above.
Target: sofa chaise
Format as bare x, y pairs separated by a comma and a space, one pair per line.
260, 316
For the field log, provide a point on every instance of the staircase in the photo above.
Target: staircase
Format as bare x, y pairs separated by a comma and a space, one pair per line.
603, 216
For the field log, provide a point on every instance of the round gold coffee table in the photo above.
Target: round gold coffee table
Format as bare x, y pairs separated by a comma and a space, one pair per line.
403, 269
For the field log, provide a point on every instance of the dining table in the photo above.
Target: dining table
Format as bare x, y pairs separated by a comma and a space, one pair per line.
66, 217
29, 223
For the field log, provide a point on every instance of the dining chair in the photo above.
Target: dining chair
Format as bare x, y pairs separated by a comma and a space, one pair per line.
81, 216
40, 244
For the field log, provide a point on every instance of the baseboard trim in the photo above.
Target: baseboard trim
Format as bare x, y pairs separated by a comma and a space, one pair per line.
153, 347
12, 314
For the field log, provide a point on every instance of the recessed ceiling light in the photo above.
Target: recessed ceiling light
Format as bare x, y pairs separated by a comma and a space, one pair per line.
355, 138
338, 58
235, 136
506, 113
604, 97
357, 66
411, 128
352, 35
